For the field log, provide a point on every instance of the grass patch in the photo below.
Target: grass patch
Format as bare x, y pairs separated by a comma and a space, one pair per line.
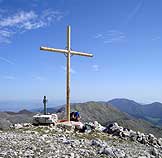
93, 135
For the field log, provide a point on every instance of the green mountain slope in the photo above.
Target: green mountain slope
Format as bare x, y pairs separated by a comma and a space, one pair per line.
149, 112
92, 111
105, 114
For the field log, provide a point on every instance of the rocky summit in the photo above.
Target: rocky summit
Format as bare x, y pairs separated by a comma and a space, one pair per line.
64, 141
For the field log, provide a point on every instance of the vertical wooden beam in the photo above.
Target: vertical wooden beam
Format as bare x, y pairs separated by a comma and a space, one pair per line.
68, 75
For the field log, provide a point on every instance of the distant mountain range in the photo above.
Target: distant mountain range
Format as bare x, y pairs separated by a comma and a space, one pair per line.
149, 112
8, 118
127, 113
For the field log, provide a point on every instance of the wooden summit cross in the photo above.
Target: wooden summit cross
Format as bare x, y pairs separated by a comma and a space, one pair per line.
68, 52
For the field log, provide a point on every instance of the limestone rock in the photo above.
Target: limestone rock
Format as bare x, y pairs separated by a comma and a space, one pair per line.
18, 126
159, 141
58, 141
112, 152
98, 143
154, 152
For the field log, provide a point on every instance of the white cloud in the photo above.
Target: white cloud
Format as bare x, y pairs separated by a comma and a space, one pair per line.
111, 36
17, 19
38, 78
23, 21
6, 60
114, 36
98, 35
156, 38
8, 77
135, 10
95, 67
5, 33
5, 36
71, 69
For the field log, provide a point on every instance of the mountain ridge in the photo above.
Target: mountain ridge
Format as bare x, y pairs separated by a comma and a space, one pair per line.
103, 112
150, 112
106, 114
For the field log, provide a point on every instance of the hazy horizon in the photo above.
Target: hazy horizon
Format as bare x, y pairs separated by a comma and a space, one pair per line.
18, 105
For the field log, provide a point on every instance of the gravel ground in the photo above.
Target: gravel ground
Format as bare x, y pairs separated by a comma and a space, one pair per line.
54, 142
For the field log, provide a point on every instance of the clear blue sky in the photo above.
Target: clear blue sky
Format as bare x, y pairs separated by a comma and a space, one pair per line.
124, 36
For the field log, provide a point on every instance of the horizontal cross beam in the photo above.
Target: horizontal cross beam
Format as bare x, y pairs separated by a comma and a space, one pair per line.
66, 51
